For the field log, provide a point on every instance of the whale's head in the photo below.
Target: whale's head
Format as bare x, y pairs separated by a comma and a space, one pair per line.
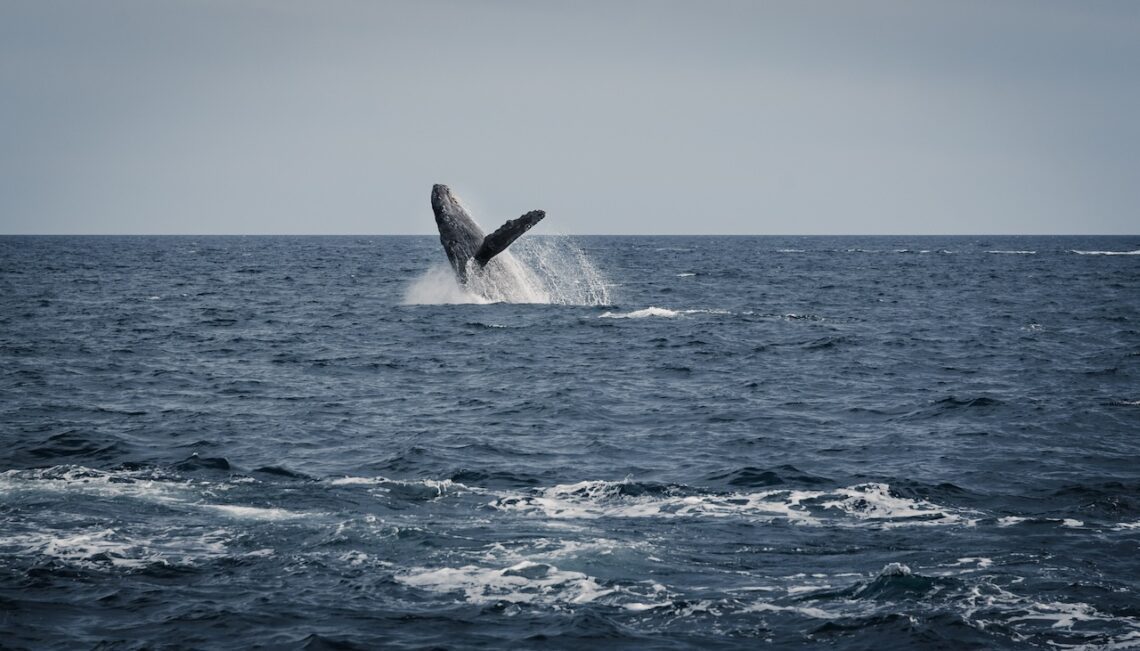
443, 202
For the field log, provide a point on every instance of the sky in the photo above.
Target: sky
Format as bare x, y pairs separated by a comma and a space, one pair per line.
616, 117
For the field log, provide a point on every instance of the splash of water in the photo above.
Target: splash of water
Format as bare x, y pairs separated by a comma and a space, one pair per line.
542, 269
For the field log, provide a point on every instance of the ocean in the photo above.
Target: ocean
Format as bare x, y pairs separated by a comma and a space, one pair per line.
631, 442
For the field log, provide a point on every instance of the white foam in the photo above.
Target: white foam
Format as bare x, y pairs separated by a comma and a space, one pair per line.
357, 481
1001, 252
138, 485
523, 582
254, 512
807, 611
1011, 520
979, 562
440, 486
1063, 615
1137, 252
874, 502
800, 589
1014, 609
641, 314
844, 507
658, 312
638, 607
88, 481
110, 547
687, 274
895, 569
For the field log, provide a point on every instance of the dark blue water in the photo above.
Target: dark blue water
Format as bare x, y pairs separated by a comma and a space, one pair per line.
867, 443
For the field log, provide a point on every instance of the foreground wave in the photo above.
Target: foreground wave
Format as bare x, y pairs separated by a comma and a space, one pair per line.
374, 531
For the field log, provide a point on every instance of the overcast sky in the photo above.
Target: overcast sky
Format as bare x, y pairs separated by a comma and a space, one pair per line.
844, 117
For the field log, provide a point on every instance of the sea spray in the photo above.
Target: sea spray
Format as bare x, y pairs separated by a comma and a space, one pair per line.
541, 269
437, 286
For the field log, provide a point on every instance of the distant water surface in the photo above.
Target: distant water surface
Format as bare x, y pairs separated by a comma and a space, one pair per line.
685, 442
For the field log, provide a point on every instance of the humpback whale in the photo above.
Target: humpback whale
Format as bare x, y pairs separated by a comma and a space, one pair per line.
462, 238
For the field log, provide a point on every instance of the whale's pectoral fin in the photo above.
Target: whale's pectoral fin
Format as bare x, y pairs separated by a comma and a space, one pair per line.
497, 242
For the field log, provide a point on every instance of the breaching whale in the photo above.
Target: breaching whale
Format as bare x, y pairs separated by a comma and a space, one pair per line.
462, 238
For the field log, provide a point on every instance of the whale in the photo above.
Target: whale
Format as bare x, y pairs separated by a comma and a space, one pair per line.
463, 240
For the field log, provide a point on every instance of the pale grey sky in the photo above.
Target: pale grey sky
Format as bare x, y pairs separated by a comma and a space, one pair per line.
281, 116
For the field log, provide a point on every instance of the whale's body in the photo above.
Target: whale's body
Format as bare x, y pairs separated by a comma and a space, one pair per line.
462, 238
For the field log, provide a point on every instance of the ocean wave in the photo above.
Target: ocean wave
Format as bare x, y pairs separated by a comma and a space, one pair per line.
145, 484
641, 314
968, 588
523, 582
414, 489
985, 601
856, 505
989, 602
149, 485
255, 512
103, 547
658, 312
1011, 520
1079, 252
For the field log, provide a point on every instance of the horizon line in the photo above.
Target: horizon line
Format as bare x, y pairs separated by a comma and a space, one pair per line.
578, 234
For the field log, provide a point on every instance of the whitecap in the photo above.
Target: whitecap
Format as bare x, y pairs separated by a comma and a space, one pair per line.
865, 503
638, 607
440, 486
111, 547
978, 563
141, 485
895, 569
807, 611
659, 312
641, 314
1012, 520
254, 512
523, 582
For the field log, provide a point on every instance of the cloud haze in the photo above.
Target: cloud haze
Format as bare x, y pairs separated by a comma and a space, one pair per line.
627, 117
